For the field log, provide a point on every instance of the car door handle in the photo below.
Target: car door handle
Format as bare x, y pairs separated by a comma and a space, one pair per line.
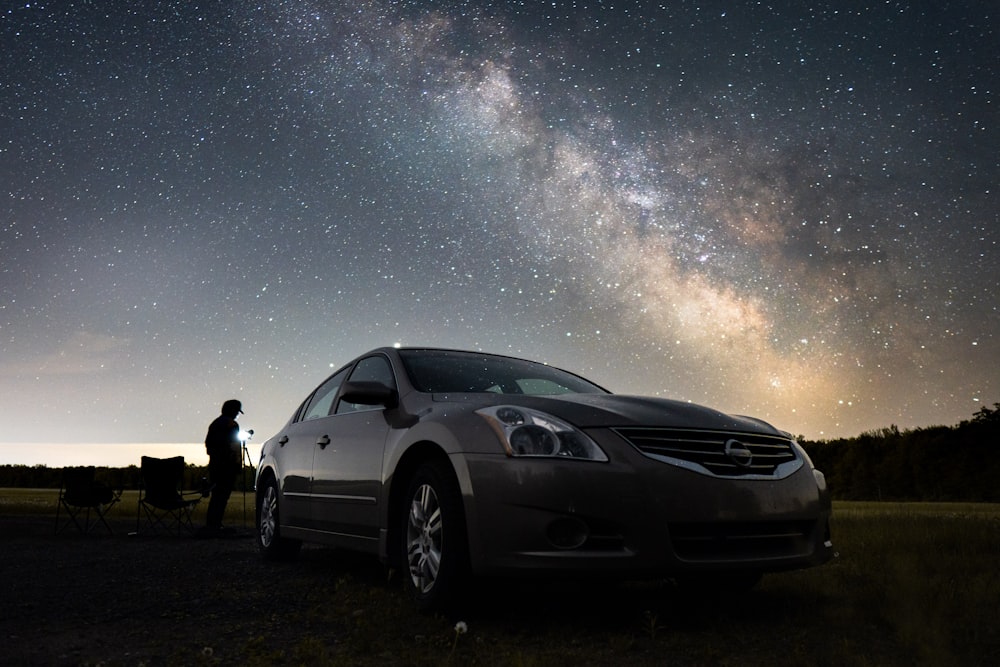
323, 441
283, 441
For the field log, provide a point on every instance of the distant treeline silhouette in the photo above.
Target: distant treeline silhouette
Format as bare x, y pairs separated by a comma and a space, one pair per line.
937, 463
44, 477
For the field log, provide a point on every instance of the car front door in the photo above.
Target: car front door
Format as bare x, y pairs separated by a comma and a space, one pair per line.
347, 463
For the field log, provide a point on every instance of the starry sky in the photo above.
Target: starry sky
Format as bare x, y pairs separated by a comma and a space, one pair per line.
781, 209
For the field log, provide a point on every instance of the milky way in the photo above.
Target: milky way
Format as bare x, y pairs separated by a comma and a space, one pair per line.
783, 211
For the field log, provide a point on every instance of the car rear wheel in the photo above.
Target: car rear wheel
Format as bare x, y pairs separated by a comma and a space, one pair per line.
434, 546
269, 539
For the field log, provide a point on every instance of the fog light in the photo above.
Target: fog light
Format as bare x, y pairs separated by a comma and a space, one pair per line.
567, 533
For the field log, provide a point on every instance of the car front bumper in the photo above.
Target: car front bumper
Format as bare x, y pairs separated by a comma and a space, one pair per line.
638, 517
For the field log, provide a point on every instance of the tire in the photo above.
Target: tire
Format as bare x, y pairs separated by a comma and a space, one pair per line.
272, 545
434, 547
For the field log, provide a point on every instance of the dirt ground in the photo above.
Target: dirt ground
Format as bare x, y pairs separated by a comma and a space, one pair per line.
131, 600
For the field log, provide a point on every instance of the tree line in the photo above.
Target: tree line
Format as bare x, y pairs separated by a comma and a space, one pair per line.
44, 477
937, 463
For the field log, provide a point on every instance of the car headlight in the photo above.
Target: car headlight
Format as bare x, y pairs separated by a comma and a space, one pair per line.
526, 432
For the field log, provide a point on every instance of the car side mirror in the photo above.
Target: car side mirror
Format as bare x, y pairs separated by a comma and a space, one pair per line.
369, 393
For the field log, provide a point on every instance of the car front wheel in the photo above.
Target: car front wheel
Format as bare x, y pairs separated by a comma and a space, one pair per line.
272, 545
434, 546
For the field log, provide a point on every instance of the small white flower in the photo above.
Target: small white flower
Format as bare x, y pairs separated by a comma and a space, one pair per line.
460, 629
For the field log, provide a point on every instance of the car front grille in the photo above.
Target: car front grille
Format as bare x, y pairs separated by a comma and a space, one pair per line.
736, 541
706, 451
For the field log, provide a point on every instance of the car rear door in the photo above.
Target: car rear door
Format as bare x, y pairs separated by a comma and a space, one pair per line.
297, 448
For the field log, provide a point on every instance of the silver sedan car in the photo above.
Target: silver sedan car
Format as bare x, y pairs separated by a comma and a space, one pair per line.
449, 464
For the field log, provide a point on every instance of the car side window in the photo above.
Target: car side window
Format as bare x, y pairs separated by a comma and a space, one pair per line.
322, 398
369, 369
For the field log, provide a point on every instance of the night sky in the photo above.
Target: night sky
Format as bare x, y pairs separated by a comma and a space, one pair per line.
781, 209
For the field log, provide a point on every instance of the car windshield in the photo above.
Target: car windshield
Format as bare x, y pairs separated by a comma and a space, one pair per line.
442, 371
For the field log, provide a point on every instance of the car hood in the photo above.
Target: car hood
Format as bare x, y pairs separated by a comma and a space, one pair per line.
617, 410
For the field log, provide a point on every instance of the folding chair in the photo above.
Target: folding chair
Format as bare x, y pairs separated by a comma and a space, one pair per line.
161, 499
84, 500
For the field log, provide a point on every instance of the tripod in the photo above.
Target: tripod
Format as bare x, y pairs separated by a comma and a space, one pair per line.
244, 461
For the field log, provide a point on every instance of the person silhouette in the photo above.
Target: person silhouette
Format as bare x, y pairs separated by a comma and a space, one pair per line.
225, 458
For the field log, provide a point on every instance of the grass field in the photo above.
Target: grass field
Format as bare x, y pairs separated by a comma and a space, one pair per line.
912, 584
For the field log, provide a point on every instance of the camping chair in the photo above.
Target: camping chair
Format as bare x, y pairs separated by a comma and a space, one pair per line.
84, 500
161, 500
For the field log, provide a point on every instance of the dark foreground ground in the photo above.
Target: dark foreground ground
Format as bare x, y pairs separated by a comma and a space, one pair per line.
908, 588
138, 600
167, 600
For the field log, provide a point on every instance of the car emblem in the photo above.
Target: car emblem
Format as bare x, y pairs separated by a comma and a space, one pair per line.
738, 453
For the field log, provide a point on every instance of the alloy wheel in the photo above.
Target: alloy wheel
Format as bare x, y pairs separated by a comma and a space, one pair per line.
424, 538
